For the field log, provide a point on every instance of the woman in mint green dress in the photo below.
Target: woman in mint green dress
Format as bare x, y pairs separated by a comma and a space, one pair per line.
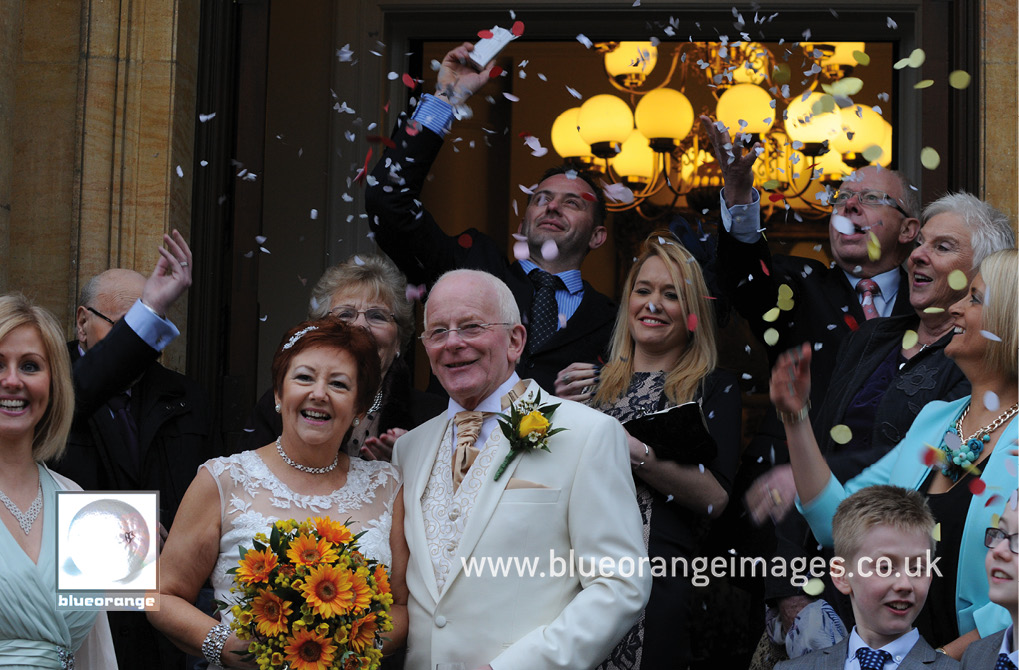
36, 408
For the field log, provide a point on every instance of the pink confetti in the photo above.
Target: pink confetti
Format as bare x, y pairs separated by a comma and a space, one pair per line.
415, 292
549, 250
517, 29
413, 128
562, 320
691, 322
520, 251
977, 486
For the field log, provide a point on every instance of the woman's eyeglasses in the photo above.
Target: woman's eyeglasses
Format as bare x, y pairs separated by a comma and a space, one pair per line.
994, 536
375, 316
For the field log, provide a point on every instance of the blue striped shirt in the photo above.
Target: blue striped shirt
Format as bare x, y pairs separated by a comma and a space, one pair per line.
568, 299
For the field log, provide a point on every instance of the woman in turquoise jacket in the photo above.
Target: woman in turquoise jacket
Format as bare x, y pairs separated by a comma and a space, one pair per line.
960, 454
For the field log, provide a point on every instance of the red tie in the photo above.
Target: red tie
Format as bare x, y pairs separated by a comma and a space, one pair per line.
868, 288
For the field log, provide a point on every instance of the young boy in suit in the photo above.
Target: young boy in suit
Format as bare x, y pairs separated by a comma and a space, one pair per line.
1000, 651
883, 542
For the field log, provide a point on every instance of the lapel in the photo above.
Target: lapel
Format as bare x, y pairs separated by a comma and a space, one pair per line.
834, 657
591, 314
489, 495
902, 306
839, 289
423, 452
920, 655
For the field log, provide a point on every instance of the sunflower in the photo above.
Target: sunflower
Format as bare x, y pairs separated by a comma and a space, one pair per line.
306, 550
307, 650
328, 590
335, 532
362, 633
382, 580
270, 613
256, 566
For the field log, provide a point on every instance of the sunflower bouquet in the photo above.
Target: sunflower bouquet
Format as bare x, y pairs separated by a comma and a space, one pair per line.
309, 600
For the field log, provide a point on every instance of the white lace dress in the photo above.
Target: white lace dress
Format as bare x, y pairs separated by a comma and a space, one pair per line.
252, 498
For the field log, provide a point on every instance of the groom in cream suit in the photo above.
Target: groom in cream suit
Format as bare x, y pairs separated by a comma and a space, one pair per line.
572, 510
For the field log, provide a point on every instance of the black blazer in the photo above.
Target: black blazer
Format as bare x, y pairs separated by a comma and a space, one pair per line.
411, 237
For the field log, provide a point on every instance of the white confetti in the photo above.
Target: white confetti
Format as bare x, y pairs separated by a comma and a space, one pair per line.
574, 93
358, 260
521, 251
891, 23
314, 214
618, 193
842, 224
203, 163
206, 117
991, 401
180, 172
510, 97
344, 54
583, 39
264, 250
260, 239
549, 250
990, 336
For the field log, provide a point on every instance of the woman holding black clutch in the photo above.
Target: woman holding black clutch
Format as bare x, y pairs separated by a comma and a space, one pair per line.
663, 355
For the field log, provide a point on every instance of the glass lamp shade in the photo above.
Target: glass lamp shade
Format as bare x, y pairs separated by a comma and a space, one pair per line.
636, 160
805, 124
664, 114
749, 103
605, 118
631, 61
566, 140
861, 128
831, 165
844, 53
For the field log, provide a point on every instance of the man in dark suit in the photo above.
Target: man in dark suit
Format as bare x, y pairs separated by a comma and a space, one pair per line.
567, 320
138, 425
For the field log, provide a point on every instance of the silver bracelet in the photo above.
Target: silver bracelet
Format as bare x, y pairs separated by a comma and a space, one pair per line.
212, 647
647, 452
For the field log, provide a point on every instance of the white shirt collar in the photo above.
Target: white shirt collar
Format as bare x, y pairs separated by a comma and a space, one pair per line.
898, 647
1006, 645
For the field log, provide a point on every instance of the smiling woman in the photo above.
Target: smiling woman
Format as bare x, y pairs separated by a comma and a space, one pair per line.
325, 374
36, 408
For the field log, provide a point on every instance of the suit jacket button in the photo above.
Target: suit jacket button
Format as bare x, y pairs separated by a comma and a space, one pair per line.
440, 621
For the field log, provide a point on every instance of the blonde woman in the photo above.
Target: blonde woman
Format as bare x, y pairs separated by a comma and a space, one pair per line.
664, 354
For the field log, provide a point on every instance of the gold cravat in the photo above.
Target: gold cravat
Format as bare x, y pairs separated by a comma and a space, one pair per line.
468, 427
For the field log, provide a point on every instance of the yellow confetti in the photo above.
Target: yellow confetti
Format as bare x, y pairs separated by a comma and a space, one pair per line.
841, 433
957, 280
873, 247
930, 158
847, 86
786, 305
899, 64
926, 83
995, 518
770, 184
909, 339
959, 79
785, 292
861, 57
771, 337
771, 315
937, 532
872, 153
917, 58
824, 105
933, 310
813, 587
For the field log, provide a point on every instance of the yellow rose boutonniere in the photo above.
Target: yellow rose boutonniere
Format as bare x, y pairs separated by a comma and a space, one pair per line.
527, 427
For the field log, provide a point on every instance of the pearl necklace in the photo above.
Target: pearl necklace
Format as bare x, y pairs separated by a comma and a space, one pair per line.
968, 452
28, 517
304, 468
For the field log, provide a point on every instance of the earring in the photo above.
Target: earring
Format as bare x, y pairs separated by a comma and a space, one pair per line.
356, 421
397, 354
278, 408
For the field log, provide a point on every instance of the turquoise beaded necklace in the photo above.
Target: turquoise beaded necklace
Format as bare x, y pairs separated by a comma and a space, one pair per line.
958, 460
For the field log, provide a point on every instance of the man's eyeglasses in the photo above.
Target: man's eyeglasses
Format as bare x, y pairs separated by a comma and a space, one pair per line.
101, 315
867, 199
994, 536
375, 316
436, 337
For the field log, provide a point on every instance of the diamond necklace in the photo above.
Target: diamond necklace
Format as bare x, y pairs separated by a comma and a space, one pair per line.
297, 466
27, 518
376, 403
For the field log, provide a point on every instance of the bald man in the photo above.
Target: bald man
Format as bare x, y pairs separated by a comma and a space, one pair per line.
138, 426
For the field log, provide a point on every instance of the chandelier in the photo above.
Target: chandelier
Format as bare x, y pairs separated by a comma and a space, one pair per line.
811, 132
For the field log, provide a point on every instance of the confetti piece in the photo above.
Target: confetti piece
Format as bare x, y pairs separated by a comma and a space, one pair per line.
582, 38
208, 117
775, 197
510, 97
562, 320
590, 197
786, 305
841, 433
314, 214
872, 153
465, 240
931, 456
574, 93
990, 336
861, 57
930, 158
993, 500
926, 83
691, 322
813, 587
957, 280
409, 82
618, 193
909, 339
264, 250
933, 310
842, 224
485, 34
764, 267
785, 292
992, 401
771, 337
959, 79
771, 315
977, 486
180, 172
851, 322
549, 250
496, 72
415, 292
917, 58
358, 260
952, 440
517, 29
521, 251
260, 239
873, 247
770, 184
936, 533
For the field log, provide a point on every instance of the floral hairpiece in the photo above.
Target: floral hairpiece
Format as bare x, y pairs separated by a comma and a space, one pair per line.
298, 335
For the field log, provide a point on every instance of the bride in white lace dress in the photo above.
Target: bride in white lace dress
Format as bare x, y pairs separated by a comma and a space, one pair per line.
324, 377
